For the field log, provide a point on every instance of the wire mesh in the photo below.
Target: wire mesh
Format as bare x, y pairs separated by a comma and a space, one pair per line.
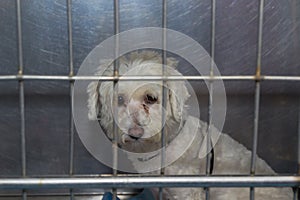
25, 183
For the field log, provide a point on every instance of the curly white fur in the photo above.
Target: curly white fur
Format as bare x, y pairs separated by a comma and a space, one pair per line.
230, 156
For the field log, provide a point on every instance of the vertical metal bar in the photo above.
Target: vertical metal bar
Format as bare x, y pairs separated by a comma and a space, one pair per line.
71, 159
21, 89
208, 157
116, 74
296, 43
255, 133
213, 34
296, 190
70, 37
212, 53
299, 137
71, 73
20, 42
115, 94
208, 141
164, 92
257, 95
21, 94
257, 90
71, 88
23, 136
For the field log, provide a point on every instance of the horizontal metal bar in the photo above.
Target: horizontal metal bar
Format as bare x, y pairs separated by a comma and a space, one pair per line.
281, 78
87, 192
153, 78
150, 181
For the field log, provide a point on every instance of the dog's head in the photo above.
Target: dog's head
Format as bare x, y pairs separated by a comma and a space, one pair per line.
138, 105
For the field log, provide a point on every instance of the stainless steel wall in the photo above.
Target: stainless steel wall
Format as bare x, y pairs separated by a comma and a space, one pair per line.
47, 103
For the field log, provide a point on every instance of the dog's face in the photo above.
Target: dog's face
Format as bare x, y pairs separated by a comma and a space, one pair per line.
139, 110
138, 105
139, 114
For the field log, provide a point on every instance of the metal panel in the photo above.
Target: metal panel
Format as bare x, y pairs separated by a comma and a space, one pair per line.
46, 41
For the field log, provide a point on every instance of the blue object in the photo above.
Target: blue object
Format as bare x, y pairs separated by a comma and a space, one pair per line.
146, 194
108, 196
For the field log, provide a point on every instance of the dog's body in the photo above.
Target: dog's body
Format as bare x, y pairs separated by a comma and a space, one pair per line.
139, 118
231, 158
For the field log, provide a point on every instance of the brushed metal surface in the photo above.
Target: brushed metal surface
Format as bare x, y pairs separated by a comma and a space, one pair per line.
45, 52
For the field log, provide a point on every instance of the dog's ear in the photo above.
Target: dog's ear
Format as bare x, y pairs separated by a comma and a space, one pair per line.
93, 89
94, 105
178, 94
99, 101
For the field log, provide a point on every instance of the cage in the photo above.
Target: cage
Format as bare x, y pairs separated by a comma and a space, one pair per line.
255, 45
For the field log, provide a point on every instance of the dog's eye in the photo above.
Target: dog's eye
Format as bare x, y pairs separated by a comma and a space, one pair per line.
149, 99
121, 100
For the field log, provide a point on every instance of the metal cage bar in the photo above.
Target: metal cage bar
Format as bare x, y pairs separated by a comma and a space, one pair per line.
71, 73
115, 93
154, 78
257, 94
21, 91
296, 189
21, 94
210, 99
150, 182
117, 181
164, 91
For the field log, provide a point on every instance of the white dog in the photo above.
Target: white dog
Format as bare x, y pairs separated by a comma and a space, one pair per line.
139, 119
